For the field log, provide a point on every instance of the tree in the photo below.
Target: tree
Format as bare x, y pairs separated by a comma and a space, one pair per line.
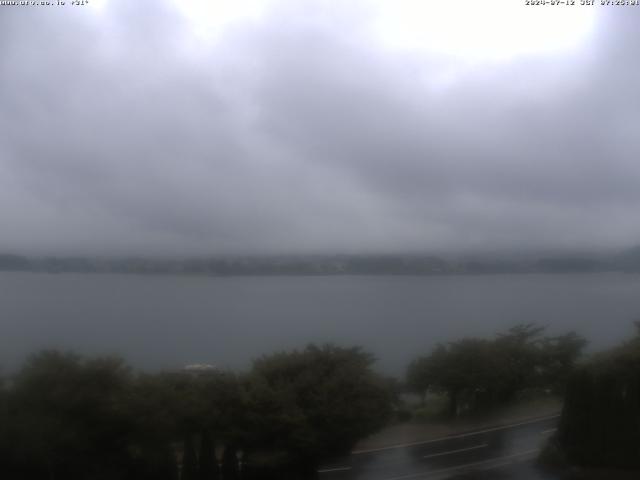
68, 416
177, 407
420, 377
559, 356
189, 459
155, 407
206, 461
65, 416
477, 374
5, 436
519, 357
600, 423
319, 401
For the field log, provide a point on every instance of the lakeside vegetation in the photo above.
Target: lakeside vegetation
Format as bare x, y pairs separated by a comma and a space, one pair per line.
600, 422
69, 417
64, 416
478, 375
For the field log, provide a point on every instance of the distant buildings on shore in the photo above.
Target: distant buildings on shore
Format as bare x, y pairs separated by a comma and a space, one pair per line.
200, 369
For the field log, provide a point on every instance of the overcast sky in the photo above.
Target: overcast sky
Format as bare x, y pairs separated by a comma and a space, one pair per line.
166, 127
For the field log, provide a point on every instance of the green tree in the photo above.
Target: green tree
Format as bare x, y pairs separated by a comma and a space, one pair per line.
518, 353
69, 416
156, 409
5, 436
600, 423
206, 461
189, 459
420, 377
478, 374
559, 356
317, 402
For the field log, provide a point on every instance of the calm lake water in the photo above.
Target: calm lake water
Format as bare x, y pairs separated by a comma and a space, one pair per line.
169, 321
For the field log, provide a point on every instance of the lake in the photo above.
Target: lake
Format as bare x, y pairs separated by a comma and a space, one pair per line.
170, 321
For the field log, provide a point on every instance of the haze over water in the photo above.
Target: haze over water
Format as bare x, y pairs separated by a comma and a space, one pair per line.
169, 321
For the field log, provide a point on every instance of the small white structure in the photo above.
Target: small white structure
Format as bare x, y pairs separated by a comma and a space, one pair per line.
200, 368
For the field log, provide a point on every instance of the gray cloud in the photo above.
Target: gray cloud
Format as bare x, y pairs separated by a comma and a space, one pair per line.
298, 133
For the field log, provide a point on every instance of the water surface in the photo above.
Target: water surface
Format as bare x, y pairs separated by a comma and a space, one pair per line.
169, 321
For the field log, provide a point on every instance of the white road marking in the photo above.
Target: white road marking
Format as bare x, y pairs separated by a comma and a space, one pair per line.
452, 437
451, 452
427, 474
547, 432
337, 469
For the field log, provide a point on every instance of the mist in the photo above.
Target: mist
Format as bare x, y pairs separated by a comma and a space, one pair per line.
128, 129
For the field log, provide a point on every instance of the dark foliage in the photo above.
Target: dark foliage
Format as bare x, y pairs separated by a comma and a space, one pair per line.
72, 418
320, 401
479, 374
600, 424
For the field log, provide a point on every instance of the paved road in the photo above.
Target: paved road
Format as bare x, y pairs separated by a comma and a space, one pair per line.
496, 453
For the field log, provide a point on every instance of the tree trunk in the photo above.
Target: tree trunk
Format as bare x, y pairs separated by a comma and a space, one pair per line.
453, 403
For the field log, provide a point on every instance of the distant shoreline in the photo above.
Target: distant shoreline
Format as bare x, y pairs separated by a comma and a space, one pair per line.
338, 265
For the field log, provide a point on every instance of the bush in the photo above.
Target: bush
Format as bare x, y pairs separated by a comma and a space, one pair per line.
600, 423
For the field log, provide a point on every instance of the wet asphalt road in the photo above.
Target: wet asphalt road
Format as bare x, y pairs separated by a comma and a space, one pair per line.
506, 452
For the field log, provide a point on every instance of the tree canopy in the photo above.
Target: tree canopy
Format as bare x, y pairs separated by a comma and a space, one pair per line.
477, 373
600, 423
69, 417
327, 397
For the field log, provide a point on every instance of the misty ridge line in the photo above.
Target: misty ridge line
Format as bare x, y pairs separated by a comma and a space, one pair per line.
361, 264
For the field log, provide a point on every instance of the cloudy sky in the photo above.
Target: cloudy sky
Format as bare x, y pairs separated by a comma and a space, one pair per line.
205, 127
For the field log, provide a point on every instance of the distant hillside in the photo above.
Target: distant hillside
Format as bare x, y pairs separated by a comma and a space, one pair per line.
628, 261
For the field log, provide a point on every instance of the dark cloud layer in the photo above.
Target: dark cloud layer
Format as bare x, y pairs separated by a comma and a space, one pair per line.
121, 132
